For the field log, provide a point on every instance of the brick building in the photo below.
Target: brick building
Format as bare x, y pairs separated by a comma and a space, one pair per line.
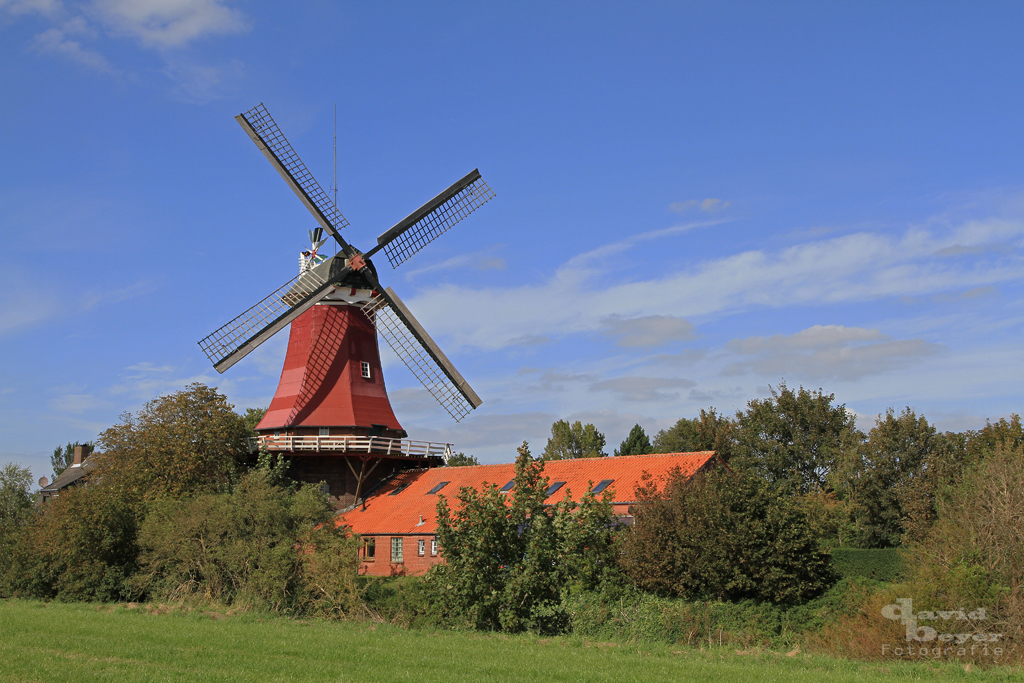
398, 521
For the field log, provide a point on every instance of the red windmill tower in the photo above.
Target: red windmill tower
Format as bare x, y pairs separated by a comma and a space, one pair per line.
331, 414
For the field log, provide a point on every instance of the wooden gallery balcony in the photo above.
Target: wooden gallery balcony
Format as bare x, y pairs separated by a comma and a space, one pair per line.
355, 445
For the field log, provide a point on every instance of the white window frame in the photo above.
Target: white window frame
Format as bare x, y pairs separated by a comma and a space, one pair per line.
433, 547
421, 547
396, 550
325, 431
365, 369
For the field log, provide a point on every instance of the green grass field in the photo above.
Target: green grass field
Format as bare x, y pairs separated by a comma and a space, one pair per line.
82, 642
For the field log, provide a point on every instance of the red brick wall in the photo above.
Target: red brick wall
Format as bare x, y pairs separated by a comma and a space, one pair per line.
412, 563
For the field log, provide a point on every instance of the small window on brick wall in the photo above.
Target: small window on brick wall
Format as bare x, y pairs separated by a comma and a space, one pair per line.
396, 550
421, 547
366, 369
369, 549
433, 547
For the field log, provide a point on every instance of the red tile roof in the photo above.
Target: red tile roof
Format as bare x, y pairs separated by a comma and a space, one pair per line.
413, 510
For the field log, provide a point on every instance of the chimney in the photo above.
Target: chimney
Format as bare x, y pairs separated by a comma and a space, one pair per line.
79, 456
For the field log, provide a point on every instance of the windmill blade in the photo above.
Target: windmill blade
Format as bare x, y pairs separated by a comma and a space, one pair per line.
235, 340
263, 130
421, 355
434, 218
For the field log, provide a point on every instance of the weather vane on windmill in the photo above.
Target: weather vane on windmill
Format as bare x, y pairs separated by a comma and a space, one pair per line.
331, 400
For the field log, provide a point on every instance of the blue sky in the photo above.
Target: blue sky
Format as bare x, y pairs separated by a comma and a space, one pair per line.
694, 203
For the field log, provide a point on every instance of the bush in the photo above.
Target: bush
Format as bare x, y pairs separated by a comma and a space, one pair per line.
260, 544
716, 536
880, 564
81, 547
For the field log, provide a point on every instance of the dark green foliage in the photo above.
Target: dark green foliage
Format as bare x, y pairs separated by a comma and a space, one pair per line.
15, 496
251, 417
880, 564
576, 440
181, 444
985, 441
723, 537
884, 473
81, 547
707, 432
634, 616
242, 546
509, 559
15, 511
795, 439
636, 443
63, 457
460, 459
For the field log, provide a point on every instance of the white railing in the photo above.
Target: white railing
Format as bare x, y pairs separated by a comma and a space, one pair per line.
378, 445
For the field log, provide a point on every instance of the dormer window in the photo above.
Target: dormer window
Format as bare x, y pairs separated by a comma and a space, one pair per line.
366, 369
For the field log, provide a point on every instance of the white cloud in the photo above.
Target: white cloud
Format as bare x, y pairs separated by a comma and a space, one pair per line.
643, 388
201, 83
56, 41
479, 260
862, 266
47, 8
169, 23
77, 403
709, 205
647, 331
827, 352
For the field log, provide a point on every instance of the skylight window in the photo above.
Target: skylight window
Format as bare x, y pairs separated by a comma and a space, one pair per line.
400, 488
508, 487
554, 488
601, 486
438, 487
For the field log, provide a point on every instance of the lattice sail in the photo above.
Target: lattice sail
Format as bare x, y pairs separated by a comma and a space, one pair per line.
421, 355
435, 218
270, 312
291, 168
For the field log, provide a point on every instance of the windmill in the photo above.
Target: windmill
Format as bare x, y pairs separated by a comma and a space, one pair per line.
331, 402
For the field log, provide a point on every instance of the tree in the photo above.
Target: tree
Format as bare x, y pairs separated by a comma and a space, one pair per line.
15, 507
636, 443
63, 457
716, 536
251, 417
707, 432
794, 439
570, 441
188, 442
885, 472
974, 552
15, 496
460, 459
509, 560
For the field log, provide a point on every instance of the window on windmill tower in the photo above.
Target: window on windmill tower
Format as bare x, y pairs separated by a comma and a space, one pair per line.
421, 547
366, 369
325, 488
396, 550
